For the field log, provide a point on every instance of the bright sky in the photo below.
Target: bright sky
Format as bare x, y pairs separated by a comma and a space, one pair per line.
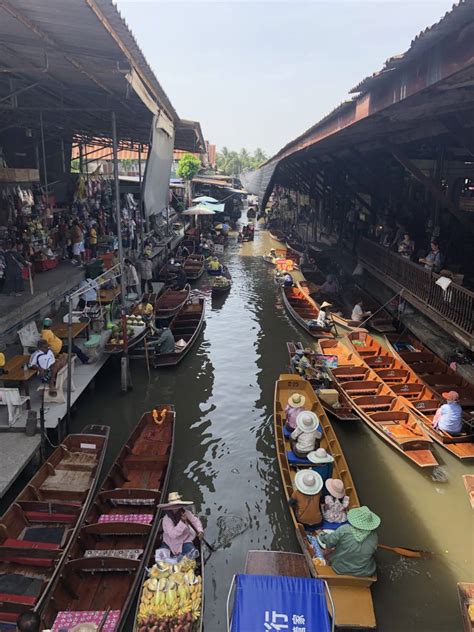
258, 73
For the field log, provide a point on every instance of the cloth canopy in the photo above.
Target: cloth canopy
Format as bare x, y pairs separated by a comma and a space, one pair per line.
199, 209
205, 198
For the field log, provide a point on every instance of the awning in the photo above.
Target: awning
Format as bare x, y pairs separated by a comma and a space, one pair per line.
265, 602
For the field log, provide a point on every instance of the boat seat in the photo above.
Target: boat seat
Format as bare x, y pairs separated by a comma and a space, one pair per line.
144, 518
407, 390
379, 361
373, 402
128, 554
426, 406
364, 386
67, 480
41, 554
352, 372
65, 620
392, 375
79, 461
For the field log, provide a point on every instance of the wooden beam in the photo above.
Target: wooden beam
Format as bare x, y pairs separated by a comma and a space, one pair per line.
434, 189
464, 137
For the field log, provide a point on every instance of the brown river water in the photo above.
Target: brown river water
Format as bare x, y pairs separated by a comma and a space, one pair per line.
225, 458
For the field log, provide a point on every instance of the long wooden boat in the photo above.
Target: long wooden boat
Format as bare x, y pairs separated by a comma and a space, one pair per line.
277, 235
405, 383
39, 527
378, 406
342, 410
222, 283
468, 480
171, 301
351, 595
107, 558
194, 267
186, 325
168, 269
466, 601
434, 371
186, 610
304, 310
295, 245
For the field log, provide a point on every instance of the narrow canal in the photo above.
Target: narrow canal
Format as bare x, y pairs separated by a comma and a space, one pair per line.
225, 460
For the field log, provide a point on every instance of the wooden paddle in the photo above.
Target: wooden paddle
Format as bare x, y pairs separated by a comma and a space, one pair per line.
399, 550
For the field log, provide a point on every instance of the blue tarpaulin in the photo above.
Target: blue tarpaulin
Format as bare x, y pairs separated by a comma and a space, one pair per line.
264, 603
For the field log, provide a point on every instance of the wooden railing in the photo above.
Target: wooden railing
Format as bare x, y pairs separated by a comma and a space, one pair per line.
454, 304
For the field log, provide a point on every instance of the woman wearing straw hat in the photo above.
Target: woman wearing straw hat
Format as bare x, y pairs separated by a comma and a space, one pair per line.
180, 526
305, 437
353, 546
306, 498
336, 502
322, 319
294, 407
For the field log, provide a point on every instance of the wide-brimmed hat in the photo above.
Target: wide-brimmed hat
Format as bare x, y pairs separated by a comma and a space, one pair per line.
451, 396
363, 518
335, 487
175, 500
308, 482
296, 400
307, 421
320, 456
326, 304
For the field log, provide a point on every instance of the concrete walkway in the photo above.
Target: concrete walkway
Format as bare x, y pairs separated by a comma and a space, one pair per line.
17, 452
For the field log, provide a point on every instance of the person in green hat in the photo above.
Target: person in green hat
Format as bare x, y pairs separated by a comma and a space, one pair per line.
353, 545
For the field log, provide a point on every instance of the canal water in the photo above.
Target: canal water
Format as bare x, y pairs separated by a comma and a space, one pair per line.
225, 458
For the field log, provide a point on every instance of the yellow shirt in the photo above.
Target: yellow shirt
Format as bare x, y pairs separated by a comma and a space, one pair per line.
54, 342
93, 237
145, 309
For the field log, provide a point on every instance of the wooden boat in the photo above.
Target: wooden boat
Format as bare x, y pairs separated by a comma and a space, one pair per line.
468, 480
108, 557
466, 601
434, 371
168, 269
186, 325
39, 527
304, 310
295, 245
222, 283
343, 411
378, 406
116, 345
194, 267
351, 595
190, 244
277, 235
170, 302
192, 623
405, 383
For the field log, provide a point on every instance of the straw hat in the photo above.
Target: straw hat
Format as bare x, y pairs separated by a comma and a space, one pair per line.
363, 518
307, 421
451, 396
335, 487
326, 304
320, 456
175, 500
308, 482
296, 400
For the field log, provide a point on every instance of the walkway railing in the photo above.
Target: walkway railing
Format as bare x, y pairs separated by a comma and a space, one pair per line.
454, 304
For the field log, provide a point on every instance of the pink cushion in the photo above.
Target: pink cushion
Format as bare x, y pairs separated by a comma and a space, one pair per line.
66, 620
141, 518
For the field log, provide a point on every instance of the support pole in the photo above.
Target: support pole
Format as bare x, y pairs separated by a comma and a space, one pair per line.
69, 362
126, 381
140, 206
45, 171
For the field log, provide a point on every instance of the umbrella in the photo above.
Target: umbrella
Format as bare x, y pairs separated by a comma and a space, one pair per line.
205, 198
199, 209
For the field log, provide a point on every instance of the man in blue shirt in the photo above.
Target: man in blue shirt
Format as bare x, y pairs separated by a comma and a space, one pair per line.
448, 417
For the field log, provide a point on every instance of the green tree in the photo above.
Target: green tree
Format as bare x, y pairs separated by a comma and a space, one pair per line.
233, 162
188, 167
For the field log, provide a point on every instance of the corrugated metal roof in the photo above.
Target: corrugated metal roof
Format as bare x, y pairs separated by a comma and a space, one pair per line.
459, 16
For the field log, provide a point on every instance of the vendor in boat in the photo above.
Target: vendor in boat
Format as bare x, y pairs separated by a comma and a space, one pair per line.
165, 342
352, 546
305, 437
295, 360
336, 502
294, 407
306, 498
358, 314
214, 265
144, 308
323, 316
180, 526
448, 417
305, 365
28, 621
288, 280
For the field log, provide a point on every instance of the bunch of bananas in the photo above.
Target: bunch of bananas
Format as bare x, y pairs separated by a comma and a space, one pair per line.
172, 590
